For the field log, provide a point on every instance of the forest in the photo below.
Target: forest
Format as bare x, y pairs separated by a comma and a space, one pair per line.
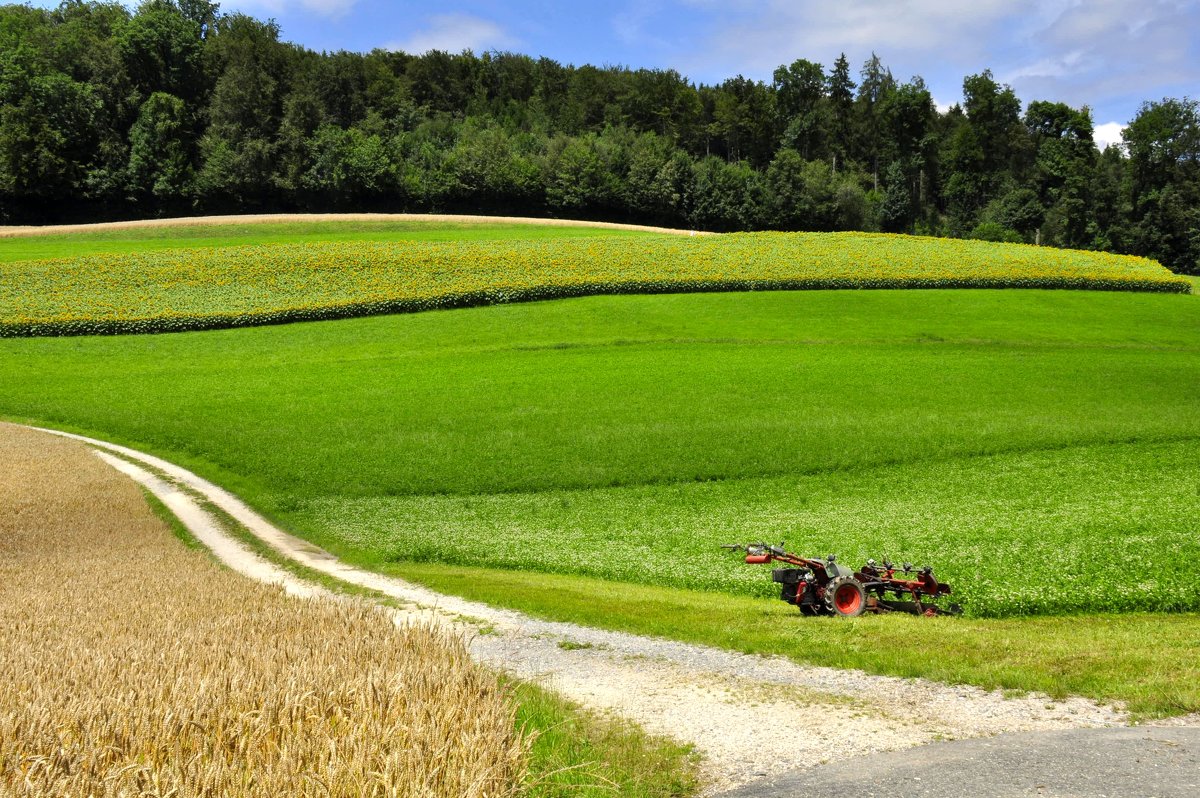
173, 108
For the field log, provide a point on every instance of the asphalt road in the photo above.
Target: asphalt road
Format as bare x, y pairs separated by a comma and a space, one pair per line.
1138, 762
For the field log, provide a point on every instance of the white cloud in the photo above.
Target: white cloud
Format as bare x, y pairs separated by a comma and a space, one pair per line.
633, 24
765, 34
454, 33
1106, 53
325, 8
1053, 67
1118, 49
1108, 133
330, 8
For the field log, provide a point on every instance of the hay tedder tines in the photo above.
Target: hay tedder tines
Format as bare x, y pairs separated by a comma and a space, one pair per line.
825, 587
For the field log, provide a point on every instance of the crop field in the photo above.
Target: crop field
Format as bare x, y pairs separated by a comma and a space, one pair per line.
158, 290
1037, 447
133, 665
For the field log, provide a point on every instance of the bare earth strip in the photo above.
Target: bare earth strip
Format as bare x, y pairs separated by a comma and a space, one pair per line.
196, 221
750, 716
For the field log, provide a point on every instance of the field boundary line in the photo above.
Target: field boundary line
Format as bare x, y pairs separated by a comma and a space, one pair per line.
26, 231
708, 697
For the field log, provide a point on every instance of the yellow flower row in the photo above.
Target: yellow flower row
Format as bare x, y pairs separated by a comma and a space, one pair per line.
236, 286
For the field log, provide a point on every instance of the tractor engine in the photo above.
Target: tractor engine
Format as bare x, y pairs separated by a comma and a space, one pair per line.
793, 582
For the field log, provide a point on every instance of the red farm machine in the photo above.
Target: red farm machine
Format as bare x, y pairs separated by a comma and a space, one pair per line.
826, 587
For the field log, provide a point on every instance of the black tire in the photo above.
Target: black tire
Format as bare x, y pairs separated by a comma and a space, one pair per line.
846, 597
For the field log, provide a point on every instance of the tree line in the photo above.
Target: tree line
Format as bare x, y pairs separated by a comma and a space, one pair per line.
175, 107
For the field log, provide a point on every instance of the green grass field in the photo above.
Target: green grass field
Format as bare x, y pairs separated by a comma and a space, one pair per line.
1036, 447
1073, 516
594, 435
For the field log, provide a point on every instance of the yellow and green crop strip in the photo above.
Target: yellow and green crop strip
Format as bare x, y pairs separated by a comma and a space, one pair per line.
213, 287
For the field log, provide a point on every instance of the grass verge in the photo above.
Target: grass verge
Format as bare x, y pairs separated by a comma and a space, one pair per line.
164, 514
577, 752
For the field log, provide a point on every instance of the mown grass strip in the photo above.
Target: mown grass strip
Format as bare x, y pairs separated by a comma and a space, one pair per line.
176, 526
577, 753
178, 290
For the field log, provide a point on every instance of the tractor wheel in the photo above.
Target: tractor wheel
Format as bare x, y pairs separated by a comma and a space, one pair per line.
845, 596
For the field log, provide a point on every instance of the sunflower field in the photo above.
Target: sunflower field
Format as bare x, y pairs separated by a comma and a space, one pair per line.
175, 290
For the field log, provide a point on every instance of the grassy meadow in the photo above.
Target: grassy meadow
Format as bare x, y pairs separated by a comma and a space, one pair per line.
598, 435
1044, 532
1036, 447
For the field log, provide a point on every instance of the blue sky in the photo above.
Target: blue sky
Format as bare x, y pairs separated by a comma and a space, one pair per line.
1109, 54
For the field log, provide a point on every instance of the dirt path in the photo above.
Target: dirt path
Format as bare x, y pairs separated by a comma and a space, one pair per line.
751, 717
195, 221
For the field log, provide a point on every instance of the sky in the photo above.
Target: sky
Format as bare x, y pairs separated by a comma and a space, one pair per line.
1110, 55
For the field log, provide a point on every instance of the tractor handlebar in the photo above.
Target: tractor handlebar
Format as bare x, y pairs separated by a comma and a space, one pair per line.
756, 548
778, 551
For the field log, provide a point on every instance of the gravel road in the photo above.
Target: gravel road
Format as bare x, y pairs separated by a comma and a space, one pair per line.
750, 717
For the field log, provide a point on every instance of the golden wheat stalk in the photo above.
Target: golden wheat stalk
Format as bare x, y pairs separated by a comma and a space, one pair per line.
132, 666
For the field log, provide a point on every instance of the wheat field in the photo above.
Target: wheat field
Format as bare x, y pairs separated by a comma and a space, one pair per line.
131, 665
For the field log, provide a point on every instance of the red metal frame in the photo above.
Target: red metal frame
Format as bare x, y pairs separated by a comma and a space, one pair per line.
916, 593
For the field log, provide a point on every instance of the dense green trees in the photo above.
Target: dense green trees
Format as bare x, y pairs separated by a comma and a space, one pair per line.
175, 107
1164, 156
